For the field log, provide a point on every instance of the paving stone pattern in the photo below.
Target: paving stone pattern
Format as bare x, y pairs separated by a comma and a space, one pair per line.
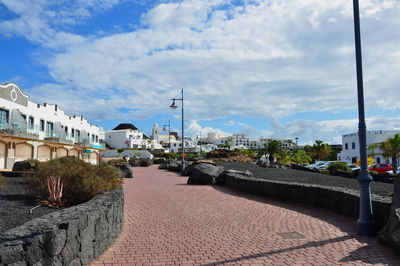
168, 222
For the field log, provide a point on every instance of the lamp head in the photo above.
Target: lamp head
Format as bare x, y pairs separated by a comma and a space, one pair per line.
164, 129
173, 106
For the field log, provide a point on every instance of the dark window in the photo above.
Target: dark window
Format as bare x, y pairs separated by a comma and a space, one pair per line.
3, 118
92, 138
97, 138
31, 120
77, 135
49, 129
66, 130
41, 125
73, 132
24, 116
353, 145
378, 160
346, 146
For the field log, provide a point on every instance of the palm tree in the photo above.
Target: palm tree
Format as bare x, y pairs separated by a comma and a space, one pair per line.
272, 148
390, 149
284, 158
301, 157
321, 149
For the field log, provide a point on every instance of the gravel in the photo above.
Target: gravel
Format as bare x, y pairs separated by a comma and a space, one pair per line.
15, 203
299, 176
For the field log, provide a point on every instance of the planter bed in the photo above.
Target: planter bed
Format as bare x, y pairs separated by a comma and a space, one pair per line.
303, 177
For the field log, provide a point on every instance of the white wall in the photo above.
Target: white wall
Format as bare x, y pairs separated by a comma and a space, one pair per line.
353, 148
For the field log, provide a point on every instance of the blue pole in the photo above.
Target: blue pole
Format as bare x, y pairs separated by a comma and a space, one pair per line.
183, 142
365, 224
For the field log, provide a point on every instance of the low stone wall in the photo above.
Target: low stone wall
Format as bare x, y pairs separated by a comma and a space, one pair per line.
343, 201
71, 236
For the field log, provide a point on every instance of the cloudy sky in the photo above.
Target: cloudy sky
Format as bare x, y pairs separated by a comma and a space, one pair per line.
273, 68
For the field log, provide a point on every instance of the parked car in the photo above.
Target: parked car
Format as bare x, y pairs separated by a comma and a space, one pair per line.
353, 167
315, 165
391, 171
380, 167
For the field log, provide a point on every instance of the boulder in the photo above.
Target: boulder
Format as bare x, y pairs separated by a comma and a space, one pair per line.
237, 172
24, 166
206, 174
159, 160
188, 169
125, 170
390, 234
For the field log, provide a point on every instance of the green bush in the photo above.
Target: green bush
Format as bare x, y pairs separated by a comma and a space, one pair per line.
338, 166
81, 180
324, 171
120, 150
374, 172
2, 182
144, 162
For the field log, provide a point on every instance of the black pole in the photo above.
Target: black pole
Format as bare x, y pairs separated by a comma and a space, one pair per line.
183, 141
365, 224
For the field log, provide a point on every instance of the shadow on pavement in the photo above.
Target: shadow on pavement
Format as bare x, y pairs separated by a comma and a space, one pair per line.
325, 215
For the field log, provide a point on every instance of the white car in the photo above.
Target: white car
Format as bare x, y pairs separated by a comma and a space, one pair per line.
316, 165
391, 171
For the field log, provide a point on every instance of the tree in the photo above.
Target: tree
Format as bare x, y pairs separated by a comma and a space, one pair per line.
390, 149
301, 157
272, 148
321, 150
283, 157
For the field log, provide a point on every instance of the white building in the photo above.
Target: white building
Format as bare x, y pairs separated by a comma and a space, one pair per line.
33, 131
125, 136
351, 149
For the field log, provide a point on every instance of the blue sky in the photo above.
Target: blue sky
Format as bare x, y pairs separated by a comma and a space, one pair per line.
276, 68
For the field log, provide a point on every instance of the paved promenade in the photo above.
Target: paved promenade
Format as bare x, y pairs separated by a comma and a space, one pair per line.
170, 223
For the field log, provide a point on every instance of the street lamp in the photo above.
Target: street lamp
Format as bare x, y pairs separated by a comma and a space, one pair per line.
365, 224
173, 106
169, 140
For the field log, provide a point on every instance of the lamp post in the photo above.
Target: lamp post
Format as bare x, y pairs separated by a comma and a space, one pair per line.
173, 106
169, 140
365, 224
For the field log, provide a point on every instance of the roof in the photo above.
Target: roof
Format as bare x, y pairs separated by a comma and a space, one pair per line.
125, 126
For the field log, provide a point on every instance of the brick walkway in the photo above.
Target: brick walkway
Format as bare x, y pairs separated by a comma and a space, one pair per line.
170, 223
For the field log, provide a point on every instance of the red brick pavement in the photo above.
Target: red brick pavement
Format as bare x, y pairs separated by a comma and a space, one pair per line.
170, 223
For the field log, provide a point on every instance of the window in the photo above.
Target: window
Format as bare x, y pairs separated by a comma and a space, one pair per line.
97, 138
31, 120
378, 160
3, 118
77, 135
72, 132
66, 130
49, 129
353, 145
24, 117
346, 146
41, 125
92, 138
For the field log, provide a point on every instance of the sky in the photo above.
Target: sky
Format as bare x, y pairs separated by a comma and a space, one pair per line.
273, 68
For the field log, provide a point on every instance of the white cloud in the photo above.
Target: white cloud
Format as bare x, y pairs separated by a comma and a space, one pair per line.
193, 128
330, 131
264, 58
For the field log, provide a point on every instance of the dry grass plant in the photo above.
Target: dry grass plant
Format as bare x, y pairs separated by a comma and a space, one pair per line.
2, 182
81, 181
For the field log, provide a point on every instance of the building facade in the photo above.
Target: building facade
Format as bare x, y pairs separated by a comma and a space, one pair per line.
351, 148
42, 131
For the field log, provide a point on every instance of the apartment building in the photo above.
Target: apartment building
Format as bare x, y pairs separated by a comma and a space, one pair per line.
30, 130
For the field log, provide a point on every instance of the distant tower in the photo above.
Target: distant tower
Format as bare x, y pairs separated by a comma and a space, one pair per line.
155, 132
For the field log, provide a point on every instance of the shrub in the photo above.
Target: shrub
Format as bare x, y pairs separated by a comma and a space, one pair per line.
374, 172
2, 182
81, 181
338, 166
324, 171
144, 162
120, 150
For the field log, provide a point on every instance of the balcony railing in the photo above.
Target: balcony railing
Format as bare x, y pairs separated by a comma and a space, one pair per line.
60, 136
